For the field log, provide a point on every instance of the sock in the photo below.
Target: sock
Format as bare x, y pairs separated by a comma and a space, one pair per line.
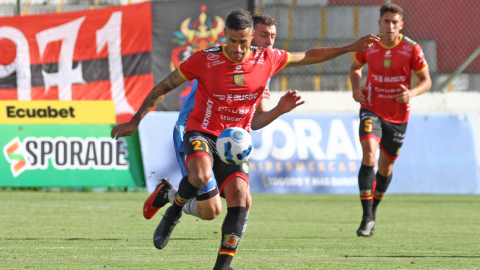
231, 235
366, 177
191, 208
245, 225
171, 194
382, 185
186, 192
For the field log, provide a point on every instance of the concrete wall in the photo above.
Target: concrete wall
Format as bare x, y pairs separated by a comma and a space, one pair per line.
342, 102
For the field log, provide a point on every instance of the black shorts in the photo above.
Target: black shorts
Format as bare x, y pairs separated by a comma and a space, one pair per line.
388, 134
199, 143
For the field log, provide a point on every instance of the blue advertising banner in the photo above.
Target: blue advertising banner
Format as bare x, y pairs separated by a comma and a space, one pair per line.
321, 153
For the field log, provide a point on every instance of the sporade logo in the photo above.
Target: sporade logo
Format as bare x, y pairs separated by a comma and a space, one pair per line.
66, 153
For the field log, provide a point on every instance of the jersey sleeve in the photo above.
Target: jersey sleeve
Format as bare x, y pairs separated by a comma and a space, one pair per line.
418, 61
190, 68
360, 58
280, 59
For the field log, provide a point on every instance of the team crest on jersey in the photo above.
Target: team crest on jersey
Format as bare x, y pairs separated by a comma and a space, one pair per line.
387, 63
238, 79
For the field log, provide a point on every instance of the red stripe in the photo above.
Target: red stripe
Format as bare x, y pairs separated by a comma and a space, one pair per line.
368, 136
196, 155
387, 155
374, 186
238, 174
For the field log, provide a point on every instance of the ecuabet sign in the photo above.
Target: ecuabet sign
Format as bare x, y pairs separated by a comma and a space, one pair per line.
102, 54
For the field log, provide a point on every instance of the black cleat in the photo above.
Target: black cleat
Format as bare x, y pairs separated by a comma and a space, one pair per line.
165, 228
367, 227
159, 197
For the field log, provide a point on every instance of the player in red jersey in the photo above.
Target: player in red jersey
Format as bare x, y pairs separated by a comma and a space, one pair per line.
231, 80
385, 106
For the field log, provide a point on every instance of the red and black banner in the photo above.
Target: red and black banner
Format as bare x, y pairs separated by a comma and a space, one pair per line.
181, 28
102, 54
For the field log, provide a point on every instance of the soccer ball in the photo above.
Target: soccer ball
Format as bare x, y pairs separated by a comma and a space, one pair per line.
234, 145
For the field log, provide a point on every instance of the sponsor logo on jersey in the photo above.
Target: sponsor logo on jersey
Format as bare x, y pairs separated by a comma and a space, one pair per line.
208, 114
408, 48
404, 53
238, 69
237, 111
388, 54
387, 63
213, 56
394, 79
238, 79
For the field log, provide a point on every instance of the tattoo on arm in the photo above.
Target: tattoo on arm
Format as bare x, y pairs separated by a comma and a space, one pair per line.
159, 92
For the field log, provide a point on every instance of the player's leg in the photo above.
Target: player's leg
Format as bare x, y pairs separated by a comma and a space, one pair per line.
199, 163
370, 136
233, 183
392, 141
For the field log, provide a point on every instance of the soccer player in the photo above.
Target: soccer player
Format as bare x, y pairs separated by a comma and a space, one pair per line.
207, 205
231, 82
385, 106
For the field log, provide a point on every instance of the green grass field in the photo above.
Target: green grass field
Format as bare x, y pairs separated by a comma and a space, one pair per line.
67, 230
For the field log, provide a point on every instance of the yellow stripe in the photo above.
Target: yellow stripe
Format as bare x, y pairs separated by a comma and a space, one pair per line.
318, 83
290, 22
227, 253
416, 72
366, 198
224, 53
289, 58
181, 74
386, 47
324, 22
358, 62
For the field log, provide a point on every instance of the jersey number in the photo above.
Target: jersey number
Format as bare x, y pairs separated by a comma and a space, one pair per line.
368, 125
198, 145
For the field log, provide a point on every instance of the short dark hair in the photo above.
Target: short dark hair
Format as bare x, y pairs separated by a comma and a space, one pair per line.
263, 19
391, 8
239, 19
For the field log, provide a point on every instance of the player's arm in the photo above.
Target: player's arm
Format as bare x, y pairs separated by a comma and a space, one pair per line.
423, 86
355, 78
156, 95
323, 54
288, 102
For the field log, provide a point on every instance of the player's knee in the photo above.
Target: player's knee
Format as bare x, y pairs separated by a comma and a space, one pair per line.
210, 211
368, 158
211, 214
200, 178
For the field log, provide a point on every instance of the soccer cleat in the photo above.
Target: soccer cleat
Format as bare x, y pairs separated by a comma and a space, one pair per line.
161, 193
366, 227
165, 228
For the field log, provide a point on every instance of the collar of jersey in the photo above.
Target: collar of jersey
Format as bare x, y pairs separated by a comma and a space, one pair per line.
224, 53
386, 47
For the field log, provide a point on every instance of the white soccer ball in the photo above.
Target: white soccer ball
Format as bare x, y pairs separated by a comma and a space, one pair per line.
234, 145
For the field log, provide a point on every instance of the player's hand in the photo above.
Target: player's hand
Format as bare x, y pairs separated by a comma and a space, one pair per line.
125, 129
266, 93
405, 96
358, 95
364, 43
289, 101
